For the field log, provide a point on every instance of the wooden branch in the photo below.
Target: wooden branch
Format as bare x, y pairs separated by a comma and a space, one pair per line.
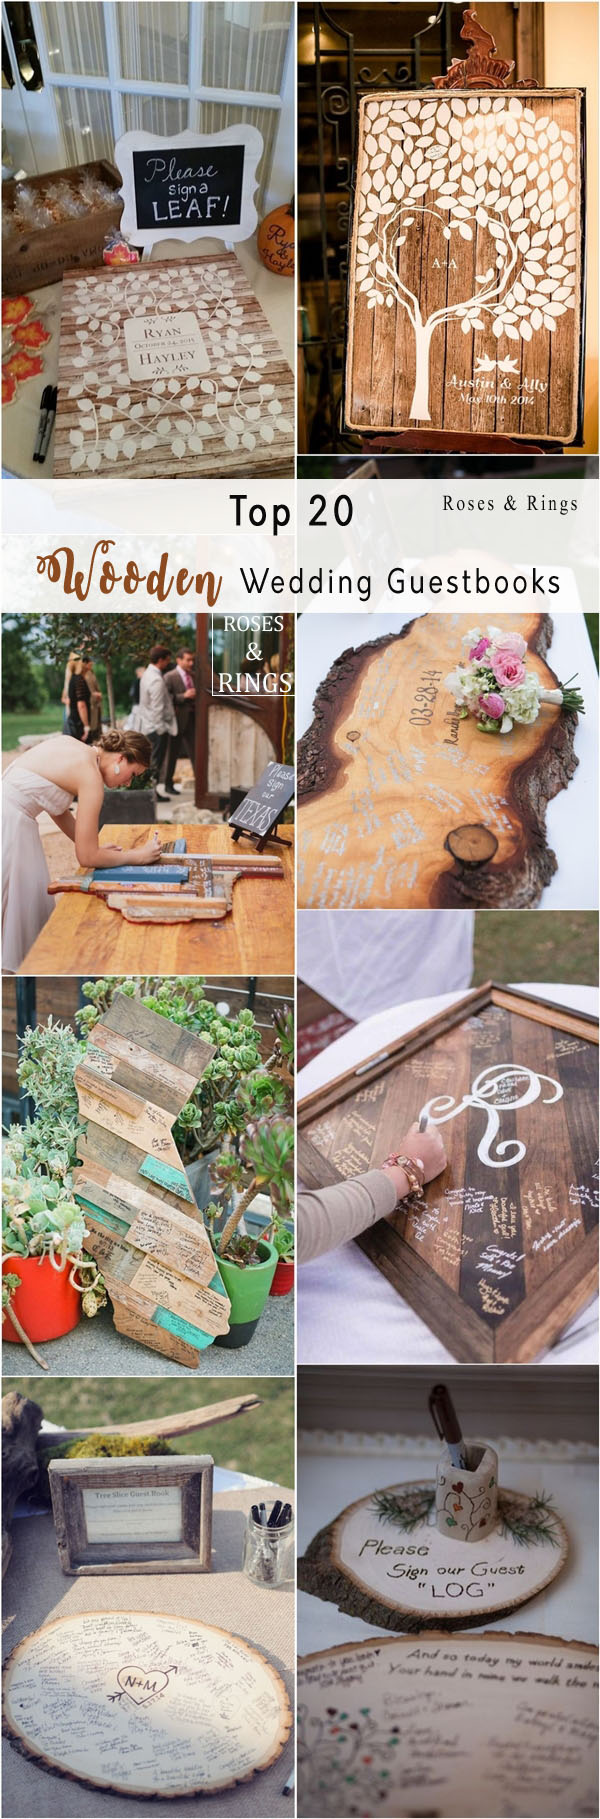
166, 1427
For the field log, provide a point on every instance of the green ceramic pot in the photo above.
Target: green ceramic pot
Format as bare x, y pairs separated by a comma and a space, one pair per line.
248, 1290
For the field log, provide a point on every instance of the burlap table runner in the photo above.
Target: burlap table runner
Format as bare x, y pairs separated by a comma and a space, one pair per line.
36, 1589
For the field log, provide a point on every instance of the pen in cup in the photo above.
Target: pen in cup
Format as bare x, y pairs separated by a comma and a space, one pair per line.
447, 1425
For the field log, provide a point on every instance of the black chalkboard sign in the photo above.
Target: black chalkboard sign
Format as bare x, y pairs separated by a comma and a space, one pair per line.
197, 186
261, 809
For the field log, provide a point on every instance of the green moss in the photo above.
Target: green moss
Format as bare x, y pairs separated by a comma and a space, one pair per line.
116, 1446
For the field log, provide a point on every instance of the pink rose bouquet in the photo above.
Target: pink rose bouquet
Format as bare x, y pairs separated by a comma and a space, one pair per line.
493, 684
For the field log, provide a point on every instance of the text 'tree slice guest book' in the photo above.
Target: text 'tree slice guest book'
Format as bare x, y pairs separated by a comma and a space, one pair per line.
170, 369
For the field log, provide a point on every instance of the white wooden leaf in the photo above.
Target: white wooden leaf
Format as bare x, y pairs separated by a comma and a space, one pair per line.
513, 333
77, 459
525, 330
549, 321
465, 231
130, 447
497, 328
556, 234
536, 318
465, 325
555, 309
94, 459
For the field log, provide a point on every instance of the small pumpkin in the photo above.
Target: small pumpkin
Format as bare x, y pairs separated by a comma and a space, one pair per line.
275, 240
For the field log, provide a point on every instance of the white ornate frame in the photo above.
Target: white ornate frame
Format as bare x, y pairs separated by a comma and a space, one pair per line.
253, 144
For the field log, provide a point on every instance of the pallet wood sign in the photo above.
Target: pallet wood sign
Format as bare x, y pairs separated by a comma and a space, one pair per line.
133, 1515
501, 1250
259, 813
189, 186
465, 297
362, 1563
143, 1226
403, 805
196, 889
142, 1704
170, 369
371, 1739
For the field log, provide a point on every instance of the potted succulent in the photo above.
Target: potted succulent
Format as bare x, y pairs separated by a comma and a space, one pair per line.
283, 1240
47, 1278
263, 1157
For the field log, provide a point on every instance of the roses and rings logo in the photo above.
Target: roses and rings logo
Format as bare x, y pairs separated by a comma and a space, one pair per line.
497, 1089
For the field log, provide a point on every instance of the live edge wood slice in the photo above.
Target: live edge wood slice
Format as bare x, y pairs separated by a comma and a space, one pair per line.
501, 1250
465, 291
141, 1703
415, 1578
143, 1226
402, 805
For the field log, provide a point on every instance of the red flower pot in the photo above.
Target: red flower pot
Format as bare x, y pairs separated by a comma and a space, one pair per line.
283, 1279
46, 1304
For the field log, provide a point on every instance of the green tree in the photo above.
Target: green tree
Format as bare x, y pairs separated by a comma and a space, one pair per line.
22, 681
110, 638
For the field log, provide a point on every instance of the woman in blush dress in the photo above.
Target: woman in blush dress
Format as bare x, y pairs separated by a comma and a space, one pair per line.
47, 779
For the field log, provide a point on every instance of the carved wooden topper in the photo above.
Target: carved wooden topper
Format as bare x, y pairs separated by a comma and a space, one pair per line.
144, 1228
389, 776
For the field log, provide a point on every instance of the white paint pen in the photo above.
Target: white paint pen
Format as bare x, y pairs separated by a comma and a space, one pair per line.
423, 1121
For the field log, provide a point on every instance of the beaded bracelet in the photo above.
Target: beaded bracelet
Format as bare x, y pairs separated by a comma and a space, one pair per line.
409, 1164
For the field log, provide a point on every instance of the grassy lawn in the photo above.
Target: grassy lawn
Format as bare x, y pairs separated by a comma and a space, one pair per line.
15, 726
260, 1443
553, 946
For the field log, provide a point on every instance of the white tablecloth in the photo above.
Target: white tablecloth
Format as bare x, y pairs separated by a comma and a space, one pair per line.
572, 817
568, 1607
347, 1312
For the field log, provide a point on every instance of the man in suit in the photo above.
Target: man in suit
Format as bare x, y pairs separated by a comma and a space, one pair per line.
156, 713
182, 690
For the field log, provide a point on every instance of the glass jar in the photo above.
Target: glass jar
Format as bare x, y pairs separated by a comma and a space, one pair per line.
268, 1557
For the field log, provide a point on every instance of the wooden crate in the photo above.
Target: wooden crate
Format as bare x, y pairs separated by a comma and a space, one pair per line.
465, 307
30, 260
501, 1250
234, 417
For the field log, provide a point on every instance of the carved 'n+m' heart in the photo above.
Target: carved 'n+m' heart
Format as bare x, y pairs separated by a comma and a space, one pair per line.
140, 1685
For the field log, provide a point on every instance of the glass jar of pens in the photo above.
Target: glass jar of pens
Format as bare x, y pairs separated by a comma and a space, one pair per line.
268, 1557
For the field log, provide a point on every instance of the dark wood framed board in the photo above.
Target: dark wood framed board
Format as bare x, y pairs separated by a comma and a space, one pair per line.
477, 1726
133, 1515
409, 1576
403, 805
259, 813
141, 1703
465, 293
501, 1250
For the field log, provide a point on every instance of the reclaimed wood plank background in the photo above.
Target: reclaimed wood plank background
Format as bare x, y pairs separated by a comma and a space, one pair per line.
501, 1249
236, 417
467, 251
388, 771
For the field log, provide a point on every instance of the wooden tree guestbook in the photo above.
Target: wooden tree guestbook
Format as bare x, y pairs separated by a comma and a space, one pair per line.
142, 1223
403, 805
466, 264
170, 369
501, 1250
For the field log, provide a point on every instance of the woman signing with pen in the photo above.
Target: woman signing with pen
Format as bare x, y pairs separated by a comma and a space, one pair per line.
330, 1216
46, 779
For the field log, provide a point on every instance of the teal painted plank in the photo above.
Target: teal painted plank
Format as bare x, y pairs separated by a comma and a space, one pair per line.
181, 1329
165, 1175
218, 1285
108, 1219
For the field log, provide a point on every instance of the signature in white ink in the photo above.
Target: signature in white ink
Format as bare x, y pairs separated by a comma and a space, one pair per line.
497, 1086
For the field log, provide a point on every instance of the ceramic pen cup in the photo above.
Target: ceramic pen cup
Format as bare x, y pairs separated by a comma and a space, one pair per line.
466, 1499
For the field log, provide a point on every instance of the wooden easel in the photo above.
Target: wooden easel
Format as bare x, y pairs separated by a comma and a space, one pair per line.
481, 68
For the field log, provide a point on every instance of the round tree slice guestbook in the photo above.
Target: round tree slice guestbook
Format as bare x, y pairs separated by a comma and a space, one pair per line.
403, 804
145, 1704
466, 1727
384, 1560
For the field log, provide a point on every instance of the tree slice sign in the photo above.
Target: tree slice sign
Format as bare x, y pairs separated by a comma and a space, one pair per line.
466, 264
145, 1704
189, 185
385, 1561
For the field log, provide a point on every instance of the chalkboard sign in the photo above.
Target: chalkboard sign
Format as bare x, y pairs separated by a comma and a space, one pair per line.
190, 185
261, 809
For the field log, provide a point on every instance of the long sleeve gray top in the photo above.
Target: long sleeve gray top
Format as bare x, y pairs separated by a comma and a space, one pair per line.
329, 1216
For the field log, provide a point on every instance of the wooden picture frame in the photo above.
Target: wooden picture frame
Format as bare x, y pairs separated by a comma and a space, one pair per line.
466, 292
178, 170
501, 1251
173, 1496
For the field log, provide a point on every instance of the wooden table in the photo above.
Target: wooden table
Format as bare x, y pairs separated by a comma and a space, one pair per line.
84, 936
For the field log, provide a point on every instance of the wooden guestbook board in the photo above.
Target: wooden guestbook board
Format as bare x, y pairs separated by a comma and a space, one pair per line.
465, 285
500, 1250
143, 1225
228, 411
388, 771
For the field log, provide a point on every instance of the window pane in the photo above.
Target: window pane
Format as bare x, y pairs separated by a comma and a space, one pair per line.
245, 44
153, 41
154, 114
74, 32
214, 115
86, 124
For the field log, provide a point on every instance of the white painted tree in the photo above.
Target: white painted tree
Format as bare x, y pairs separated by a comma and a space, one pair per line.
487, 163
